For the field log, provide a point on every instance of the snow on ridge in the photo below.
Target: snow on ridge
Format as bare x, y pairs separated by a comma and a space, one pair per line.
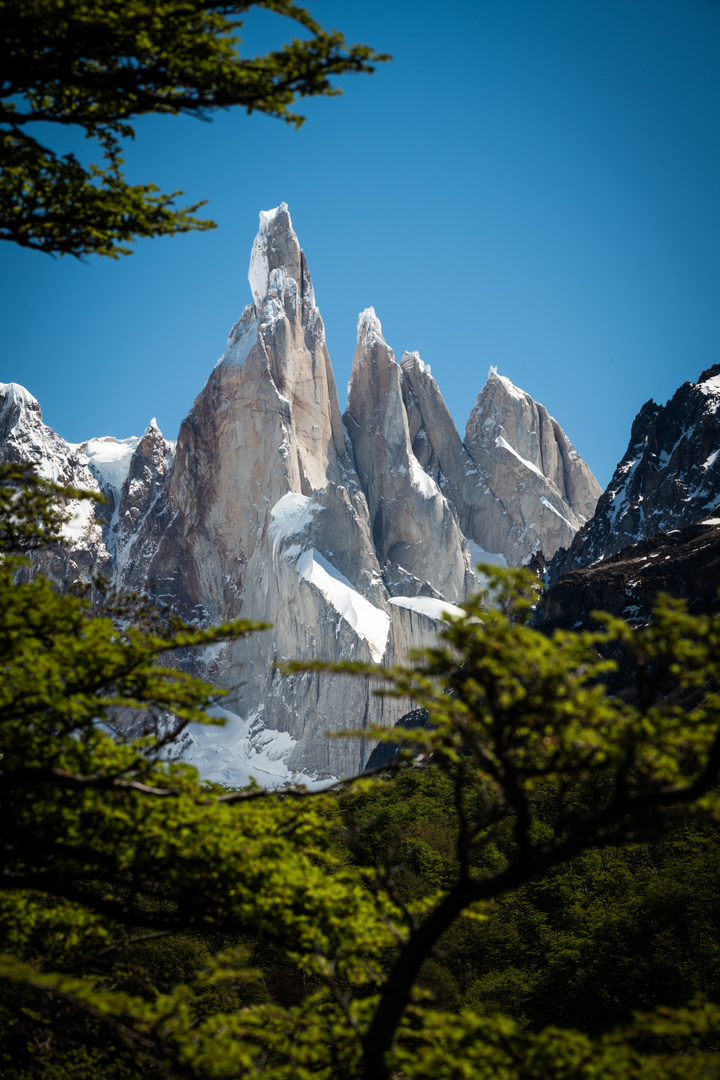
420, 480
505, 445
258, 271
413, 358
368, 621
290, 515
368, 326
427, 605
268, 216
711, 387
108, 457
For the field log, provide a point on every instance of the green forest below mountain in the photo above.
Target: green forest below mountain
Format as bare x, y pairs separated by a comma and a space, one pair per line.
530, 890
612, 933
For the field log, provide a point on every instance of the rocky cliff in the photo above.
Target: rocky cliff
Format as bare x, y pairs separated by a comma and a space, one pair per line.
350, 535
414, 528
668, 478
516, 483
683, 562
263, 517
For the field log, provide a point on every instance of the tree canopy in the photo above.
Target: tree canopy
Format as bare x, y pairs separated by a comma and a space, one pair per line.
150, 922
97, 65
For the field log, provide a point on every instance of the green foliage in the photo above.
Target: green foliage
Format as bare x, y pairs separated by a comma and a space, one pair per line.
549, 862
594, 940
97, 65
544, 765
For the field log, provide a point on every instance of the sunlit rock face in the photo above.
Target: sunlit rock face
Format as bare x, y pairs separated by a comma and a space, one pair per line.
542, 491
263, 517
516, 483
351, 536
668, 478
414, 528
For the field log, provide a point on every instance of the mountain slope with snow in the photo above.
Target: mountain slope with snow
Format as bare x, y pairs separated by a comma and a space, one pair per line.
668, 478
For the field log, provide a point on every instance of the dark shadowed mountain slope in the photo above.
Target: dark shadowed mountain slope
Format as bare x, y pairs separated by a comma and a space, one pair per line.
668, 478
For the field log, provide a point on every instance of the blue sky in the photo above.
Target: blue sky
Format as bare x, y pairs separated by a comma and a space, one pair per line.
533, 184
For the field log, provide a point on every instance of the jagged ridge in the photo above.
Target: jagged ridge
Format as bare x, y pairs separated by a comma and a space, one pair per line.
351, 538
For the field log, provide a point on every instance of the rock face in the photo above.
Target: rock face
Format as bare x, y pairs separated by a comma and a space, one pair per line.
413, 526
516, 485
351, 538
685, 563
668, 478
140, 489
263, 517
545, 489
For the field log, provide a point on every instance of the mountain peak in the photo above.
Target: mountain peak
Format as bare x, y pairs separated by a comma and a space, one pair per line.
276, 247
411, 362
506, 384
13, 394
710, 373
278, 270
368, 327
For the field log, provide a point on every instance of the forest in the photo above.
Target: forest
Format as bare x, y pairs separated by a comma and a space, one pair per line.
529, 889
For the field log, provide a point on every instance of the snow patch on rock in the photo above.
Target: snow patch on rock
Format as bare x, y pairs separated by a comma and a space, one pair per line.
505, 445
479, 555
549, 505
290, 515
368, 621
420, 479
368, 326
240, 751
427, 605
109, 458
237, 353
258, 272
82, 519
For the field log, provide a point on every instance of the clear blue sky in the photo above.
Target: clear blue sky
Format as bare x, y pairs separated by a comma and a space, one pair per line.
530, 183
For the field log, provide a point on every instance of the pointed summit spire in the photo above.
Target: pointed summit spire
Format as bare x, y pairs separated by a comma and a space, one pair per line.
276, 247
368, 327
277, 260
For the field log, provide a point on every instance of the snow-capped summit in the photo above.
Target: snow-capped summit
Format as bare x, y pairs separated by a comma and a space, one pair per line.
368, 326
532, 469
509, 387
15, 397
24, 437
277, 257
